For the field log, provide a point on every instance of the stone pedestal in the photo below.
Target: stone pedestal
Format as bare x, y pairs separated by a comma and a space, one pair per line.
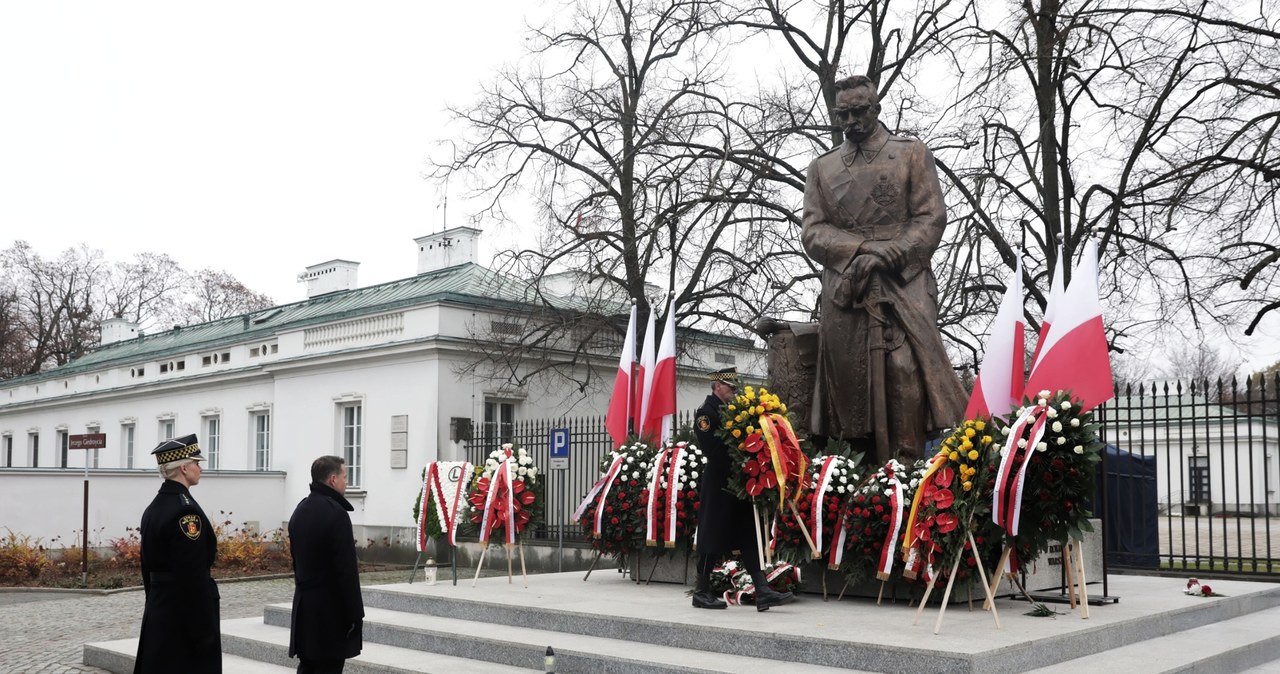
1046, 573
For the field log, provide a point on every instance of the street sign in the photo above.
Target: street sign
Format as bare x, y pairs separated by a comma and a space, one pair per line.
87, 441
559, 448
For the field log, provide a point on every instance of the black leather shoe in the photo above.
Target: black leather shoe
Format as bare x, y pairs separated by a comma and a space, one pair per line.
767, 598
707, 600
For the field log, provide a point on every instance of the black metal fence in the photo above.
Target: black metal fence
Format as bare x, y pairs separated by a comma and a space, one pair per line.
1191, 476
1190, 480
589, 443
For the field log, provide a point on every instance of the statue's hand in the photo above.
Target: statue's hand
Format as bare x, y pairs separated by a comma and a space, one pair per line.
893, 253
859, 274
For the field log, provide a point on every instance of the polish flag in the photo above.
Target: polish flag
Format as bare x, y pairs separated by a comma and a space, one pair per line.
644, 377
1074, 356
615, 421
1056, 291
662, 389
999, 386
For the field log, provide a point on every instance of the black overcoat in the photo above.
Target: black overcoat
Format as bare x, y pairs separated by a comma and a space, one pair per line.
180, 631
327, 609
724, 520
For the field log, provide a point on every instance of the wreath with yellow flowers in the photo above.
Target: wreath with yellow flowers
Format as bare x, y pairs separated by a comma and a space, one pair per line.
764, 451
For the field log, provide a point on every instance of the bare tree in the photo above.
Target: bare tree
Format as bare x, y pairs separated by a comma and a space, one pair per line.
144, 290
50, 309
607, 125
54, 304
215, 294
1146, 126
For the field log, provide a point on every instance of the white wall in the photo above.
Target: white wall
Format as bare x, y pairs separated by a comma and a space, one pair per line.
50, 503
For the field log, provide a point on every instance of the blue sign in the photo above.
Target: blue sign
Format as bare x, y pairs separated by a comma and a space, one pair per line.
559, 448
559, 443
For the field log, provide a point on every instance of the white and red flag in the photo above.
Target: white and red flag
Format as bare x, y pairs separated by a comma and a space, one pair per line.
1000, 379
616, 420
1056, 290
662, 388
1074, 352
644, 376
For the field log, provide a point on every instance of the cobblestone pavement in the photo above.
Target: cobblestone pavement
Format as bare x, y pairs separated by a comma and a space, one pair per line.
48, 635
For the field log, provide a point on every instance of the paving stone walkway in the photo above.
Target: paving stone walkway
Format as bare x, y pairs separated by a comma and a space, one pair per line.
45, 633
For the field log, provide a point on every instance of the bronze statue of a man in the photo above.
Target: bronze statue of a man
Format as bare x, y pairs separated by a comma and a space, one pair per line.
873, 216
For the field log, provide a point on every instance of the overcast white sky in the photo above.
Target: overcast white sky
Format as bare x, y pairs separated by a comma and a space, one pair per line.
256, 137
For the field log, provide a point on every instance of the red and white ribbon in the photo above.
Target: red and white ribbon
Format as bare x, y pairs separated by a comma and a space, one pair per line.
817, 510
444, 500
669, 464
895, 526
499, 496
614, 469
838, 538
1006, 506
605, 478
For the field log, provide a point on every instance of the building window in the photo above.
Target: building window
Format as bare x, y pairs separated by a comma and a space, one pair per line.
166, 430
126, 437
260, 426
33, 449
225, 357
64, 443
1198, 477
499, 423
212, 440
7, 442
206, 361
351, 435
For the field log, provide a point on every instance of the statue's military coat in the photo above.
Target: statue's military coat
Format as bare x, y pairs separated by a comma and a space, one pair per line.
180, 630
885, 190
724, 520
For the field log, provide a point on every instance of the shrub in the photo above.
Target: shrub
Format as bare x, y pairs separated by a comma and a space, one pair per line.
22, 558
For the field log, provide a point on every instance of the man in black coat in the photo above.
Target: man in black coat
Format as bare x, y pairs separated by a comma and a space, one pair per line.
180, 631
724, 520
328, 613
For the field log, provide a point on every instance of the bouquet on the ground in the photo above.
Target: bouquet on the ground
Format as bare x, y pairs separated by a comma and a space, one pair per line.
612, 513
952, 502
671, 496
735, 585
823, 511
1195, 589
764, 450
876, 521
507, 497
1045, 475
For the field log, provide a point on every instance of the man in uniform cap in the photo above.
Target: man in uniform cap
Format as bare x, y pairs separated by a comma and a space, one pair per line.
724, 520
180, 631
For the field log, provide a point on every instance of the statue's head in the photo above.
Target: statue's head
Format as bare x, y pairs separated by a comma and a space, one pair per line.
857, 110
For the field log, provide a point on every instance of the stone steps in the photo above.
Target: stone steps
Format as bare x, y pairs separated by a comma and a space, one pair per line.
614, 625
526, 646
1233, 645
118, 656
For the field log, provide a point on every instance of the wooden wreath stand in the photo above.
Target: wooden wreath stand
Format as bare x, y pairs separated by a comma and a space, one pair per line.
509, 547
951, 579
1073, 566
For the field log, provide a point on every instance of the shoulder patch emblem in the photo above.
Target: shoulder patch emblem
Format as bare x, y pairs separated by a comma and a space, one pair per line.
704, 424
190, 526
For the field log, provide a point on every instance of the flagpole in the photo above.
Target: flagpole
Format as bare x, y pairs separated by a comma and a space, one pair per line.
633, 424
675, 375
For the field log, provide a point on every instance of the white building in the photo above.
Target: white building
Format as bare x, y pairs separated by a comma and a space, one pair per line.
377, 375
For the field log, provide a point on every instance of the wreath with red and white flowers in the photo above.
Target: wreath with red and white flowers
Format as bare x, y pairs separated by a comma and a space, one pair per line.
671, 496
507, 497
612, 513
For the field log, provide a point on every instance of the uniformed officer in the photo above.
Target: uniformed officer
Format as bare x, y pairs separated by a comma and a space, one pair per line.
873, 216
724, 520
180, 631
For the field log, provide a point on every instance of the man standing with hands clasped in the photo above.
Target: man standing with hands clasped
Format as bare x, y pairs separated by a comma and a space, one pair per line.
325, 628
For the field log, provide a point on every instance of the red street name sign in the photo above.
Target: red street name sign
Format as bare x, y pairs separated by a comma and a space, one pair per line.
87, 441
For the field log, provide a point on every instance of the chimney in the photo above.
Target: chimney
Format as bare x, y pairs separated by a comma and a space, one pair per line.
117, 330
329, 277
450, 248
